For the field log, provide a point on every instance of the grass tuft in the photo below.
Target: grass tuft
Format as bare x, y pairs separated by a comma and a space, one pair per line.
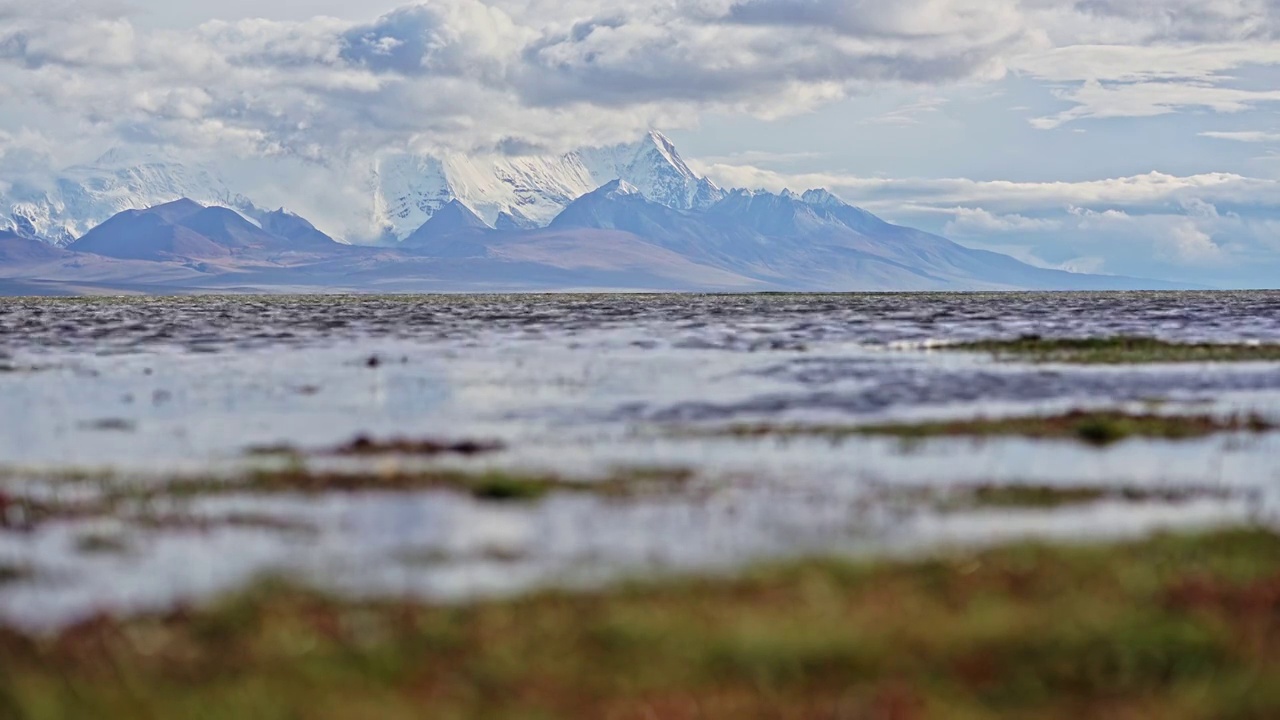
1174, 627
1119, 350
1098, 428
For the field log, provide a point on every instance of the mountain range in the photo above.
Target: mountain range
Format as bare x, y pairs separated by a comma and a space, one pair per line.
629, 217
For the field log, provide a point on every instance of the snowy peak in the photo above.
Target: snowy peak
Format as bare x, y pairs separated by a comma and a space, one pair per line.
405, 192
82, 197
531, 190
823, 198
654, 167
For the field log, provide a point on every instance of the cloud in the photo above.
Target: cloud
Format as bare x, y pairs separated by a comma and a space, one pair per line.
24, 153
1245, 136
1148, 190
1141, 58
910, 113
553, 74
1183, 21
980, 222
469, 74
1173, 24
1149, 99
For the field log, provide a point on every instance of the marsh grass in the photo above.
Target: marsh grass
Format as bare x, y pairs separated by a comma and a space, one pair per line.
1050, 497
1118, 350
1099, 428
1178, 628
151, 503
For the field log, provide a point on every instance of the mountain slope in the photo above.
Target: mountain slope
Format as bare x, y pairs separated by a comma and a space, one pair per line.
294, 228
230, 230
141, 235
812, 242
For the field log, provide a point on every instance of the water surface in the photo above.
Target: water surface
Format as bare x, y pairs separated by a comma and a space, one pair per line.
582, 386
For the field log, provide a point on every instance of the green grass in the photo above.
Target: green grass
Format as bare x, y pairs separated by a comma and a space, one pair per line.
146, 503
1177, 628
1045, 497
1098, 428
1119, 350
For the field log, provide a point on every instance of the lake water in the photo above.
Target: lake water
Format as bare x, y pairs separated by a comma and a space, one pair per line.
585, 387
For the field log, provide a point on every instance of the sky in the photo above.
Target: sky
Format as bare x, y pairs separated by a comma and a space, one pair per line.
1135, 137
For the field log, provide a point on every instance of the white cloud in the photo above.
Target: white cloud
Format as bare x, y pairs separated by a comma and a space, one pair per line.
1148, 99
1145, 190
979, 222
910, 113
469, 74
1245, 136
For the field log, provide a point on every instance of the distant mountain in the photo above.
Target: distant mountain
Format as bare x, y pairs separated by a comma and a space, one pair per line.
406, 189
186, 230
621, 206
631, 216
531, 190
85, 196
452, 231
813, 241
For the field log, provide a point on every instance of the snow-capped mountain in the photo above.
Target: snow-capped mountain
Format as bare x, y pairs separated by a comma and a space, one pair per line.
520, 192
407, 190
85, 196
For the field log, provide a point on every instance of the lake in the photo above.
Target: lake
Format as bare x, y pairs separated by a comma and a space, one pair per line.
659, 434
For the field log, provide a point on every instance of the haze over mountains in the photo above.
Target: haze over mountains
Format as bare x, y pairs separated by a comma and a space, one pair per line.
632, 217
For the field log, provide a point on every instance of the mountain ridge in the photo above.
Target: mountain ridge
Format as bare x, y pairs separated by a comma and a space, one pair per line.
491, 219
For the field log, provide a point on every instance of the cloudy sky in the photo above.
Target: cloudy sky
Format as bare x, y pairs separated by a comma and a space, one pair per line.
1138, 137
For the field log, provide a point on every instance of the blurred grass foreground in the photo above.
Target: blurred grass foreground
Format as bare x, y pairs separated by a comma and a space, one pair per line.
1175, 627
